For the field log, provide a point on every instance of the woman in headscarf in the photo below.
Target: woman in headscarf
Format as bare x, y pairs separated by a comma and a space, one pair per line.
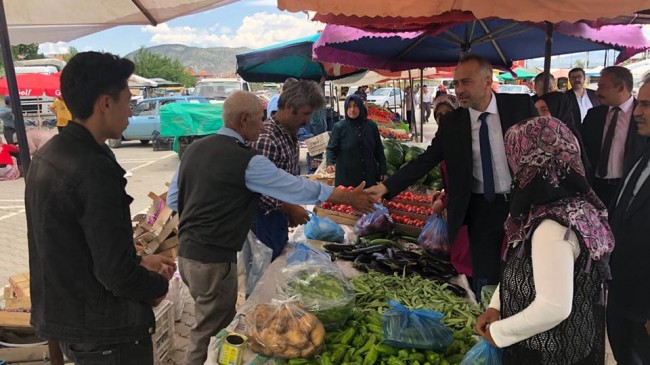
355, 151
459, 253
443, 104
548, 308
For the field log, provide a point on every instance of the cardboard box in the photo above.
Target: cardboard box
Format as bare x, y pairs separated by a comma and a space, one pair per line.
318, 144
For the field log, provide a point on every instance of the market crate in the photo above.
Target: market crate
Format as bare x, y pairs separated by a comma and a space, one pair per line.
408, 214
163, 144
407, 230
338, 217
318, 144
163, 339
325, 180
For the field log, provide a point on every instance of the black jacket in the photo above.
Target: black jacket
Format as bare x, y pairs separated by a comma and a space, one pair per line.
86, 281
593, 129
629, 290
453, 144
577, 119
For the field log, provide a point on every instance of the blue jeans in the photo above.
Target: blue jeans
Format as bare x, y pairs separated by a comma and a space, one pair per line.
272, 229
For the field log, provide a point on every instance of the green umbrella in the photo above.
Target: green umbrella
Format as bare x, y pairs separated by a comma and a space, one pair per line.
521, 74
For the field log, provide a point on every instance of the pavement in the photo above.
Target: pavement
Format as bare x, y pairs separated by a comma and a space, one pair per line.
147, 171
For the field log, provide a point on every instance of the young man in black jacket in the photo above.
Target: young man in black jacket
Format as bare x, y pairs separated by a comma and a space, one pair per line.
89, 289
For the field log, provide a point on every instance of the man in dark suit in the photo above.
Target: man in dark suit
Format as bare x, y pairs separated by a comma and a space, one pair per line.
612, 145
582, 99
628, 307
470, 141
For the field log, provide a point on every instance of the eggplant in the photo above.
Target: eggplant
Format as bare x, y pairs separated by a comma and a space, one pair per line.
334, 247
364, 258
457, 290
371, 249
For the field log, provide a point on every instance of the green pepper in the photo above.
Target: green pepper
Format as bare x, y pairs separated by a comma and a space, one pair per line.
403, 354
301, 362
395, 361
367, 347
376, 329
415, 362
338, 354
359, 340
347, 336
455, 358
326, 360
385, 349
417, 356
432, 357
348, 354
371, 357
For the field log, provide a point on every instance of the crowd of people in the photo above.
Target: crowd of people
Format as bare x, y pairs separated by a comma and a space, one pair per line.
565, 193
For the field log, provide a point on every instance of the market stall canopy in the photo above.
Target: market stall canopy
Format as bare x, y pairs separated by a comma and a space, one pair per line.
522, 74
524, 10
39, 21
35, 85
500, 41
139, 81
278, 62
380, 76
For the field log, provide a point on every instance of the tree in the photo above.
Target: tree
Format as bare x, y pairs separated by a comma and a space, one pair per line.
150, 65
26, 52
580, 63
71, 53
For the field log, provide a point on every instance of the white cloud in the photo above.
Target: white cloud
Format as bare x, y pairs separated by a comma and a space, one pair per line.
53, 48
257, 30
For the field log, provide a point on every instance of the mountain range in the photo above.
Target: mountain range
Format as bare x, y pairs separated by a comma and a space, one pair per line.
219, 61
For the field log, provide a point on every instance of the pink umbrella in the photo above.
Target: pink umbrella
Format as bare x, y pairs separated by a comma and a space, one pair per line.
34, 84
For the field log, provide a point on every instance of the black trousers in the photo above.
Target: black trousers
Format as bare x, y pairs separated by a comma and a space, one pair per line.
485, 229
131, 353
629, 340
605, 189
9, 133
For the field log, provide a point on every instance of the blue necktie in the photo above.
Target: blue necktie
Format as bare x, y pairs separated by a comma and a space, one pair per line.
486, 158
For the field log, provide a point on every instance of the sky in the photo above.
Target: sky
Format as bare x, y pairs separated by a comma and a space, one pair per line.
246, 23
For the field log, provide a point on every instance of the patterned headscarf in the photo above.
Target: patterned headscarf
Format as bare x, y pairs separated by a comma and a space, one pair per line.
549, 183
448, 99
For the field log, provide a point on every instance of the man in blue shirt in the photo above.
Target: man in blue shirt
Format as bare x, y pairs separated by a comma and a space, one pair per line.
219, 183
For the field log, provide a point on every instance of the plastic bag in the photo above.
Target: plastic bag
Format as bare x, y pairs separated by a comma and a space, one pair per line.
434, 235
303, 253
482, 354
378, 221
282, 329
323, 229
320, 288
255, 257
417, 328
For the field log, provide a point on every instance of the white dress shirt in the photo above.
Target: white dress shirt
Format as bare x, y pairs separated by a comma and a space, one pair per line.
426, 97
553, 269
615, 164
584, 103
642, 178
502, 178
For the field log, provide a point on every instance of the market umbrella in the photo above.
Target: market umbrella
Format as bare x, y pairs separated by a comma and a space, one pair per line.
288, 59
500, 41
519, 72
38, 21
523, 10
33, 84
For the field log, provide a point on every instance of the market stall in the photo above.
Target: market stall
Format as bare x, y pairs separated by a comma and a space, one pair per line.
350, 298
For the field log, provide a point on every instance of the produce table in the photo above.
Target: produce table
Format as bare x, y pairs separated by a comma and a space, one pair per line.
265, 291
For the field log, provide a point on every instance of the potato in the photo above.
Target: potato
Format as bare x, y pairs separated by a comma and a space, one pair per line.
291, 353
308, 351
278, 326
296, 338
284, 314
317, 334
263, 313
306, 323
256, 347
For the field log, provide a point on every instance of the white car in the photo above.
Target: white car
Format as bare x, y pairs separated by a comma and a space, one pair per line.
515, 89
388, 97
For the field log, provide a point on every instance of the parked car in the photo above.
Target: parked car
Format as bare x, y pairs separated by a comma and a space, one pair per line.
146, 118
218, 89
515, 89
387, 97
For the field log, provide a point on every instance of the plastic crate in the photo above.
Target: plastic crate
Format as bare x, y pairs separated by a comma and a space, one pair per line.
163, 339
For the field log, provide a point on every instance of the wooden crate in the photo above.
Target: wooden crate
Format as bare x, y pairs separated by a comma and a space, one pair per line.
13, 302
20, 285
163, 339
33, 355
14, 319
408, 230
338, 217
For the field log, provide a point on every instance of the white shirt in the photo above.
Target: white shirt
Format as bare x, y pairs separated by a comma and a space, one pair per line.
642, 178
426, 97
502, 178
616, 154
584, 103
553, 262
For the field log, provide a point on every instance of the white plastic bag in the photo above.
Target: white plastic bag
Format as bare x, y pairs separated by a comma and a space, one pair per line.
254, 258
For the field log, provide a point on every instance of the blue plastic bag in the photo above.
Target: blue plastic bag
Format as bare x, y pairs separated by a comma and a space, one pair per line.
303, 253
323, 229
482, 354
417, 328
378, 221
434, 235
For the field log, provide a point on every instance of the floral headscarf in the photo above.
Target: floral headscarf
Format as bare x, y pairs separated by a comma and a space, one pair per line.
448, 99
549, 183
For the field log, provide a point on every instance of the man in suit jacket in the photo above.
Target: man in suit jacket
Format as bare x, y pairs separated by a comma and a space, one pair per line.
480, 203
611, 143
628, 307
582, 99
